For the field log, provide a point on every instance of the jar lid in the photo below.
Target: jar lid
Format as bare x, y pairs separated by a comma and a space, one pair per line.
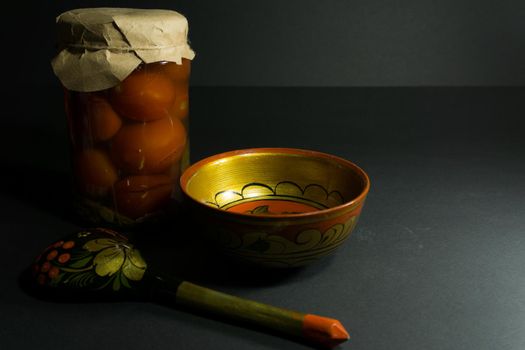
100, 47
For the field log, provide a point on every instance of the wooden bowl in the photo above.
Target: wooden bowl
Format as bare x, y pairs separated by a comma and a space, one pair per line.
276, 207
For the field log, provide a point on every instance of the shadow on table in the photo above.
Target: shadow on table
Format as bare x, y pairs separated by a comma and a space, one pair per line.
43, 189
36, 175
34, 168
184, 252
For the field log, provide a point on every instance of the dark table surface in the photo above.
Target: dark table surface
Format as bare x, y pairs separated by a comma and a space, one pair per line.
436, 261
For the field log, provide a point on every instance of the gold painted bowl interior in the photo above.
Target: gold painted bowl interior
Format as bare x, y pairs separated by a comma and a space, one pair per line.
274, 181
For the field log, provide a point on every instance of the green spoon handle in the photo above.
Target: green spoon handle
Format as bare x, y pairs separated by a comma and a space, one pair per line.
322, 330
195, 297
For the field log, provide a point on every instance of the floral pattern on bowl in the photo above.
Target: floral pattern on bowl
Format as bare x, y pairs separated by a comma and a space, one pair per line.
274, 250
285, 197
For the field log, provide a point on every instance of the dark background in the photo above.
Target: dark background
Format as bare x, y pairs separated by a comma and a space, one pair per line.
317, 43
426, 96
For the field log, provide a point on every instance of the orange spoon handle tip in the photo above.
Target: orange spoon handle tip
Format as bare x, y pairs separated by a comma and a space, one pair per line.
326, 331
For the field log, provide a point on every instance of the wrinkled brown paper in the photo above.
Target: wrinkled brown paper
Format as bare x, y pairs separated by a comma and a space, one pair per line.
100, 47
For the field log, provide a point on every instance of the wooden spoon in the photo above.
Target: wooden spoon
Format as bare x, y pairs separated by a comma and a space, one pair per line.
103, 263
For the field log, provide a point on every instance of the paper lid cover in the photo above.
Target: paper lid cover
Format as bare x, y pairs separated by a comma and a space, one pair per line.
100, 47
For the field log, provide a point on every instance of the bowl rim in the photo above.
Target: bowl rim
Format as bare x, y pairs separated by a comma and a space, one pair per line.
193, 169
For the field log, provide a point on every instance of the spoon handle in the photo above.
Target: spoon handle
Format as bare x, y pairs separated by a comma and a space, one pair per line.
324, 331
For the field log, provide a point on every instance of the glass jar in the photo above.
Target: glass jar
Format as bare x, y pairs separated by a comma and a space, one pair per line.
129, 141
